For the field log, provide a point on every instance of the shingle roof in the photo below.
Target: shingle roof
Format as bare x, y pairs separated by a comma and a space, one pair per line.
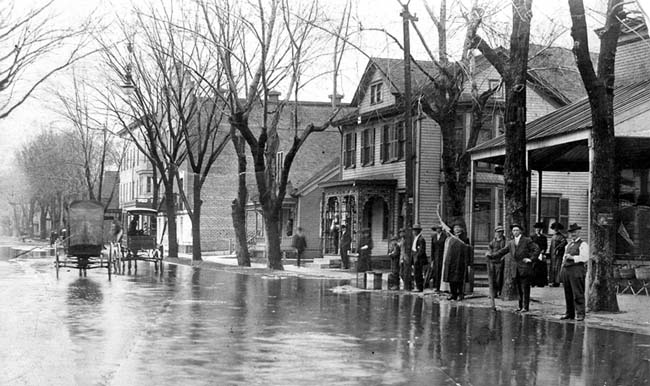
576, 116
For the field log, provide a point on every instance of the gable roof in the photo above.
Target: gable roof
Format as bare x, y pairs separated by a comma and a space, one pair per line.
576, 116
552, 72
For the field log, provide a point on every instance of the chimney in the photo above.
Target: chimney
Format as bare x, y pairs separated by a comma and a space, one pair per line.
336, 100
273, 96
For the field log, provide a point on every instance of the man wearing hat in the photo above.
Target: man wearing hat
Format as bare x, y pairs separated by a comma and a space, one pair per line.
558, 244
573, 275
345, 244
495, 267
406, 273
394, 253
437, 250
523, 250
419, 253
457, 257
365, 250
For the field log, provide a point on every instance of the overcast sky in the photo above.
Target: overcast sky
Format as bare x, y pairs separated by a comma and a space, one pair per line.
28, 120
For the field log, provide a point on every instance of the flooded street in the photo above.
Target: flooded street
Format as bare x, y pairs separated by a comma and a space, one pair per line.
206, 327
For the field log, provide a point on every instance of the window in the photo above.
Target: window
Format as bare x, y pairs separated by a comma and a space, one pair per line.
553, 209
460, 132
368, 147
279, 163
492, 83
392, 142
497, 120
375, 93
400, 140
149, 185
350, 150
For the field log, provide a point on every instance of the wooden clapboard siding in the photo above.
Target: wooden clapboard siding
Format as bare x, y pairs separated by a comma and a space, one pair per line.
536, 105
427, 174
388, 170
571, 185
387, 99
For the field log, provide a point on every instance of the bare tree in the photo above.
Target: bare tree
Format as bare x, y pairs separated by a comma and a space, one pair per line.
31, 39
262, 47
513, 69
604, 171
91, 136
197, 102
141, 97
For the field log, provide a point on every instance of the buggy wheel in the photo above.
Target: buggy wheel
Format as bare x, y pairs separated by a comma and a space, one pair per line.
56, 262
110, 262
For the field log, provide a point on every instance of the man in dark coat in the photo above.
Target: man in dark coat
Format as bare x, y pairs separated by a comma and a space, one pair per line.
558, 244
437, 249
523, 250
394, 254
495, 266
365, 250
419, 253
300, 244
540, 271
346, 242
457, 257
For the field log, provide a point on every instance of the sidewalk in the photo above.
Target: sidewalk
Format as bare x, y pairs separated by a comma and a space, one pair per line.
546, 303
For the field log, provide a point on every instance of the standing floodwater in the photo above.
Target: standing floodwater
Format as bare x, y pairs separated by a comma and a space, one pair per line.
205, 327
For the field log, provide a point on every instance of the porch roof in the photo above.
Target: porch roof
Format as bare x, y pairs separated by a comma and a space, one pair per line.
558, 141
360, 182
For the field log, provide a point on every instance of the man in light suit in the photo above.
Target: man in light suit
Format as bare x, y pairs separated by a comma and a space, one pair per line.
523, 250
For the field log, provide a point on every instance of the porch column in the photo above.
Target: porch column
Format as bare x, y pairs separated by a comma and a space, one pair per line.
472, 182
538, 203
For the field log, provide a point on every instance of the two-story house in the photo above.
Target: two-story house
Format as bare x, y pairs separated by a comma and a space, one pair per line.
371, 191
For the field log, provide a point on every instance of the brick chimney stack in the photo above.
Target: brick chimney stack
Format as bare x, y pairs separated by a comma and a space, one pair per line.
274, 96
336, 100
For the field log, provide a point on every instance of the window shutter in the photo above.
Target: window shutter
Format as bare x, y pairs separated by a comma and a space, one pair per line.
564, 212
371, 147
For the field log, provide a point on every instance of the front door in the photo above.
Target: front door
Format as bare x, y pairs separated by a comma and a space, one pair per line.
482, 215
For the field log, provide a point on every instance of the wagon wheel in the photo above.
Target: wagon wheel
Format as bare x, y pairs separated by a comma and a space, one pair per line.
157, 260
110, 262
159, 254
56, 261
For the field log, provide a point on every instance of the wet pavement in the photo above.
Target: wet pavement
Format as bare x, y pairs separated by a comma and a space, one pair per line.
198, 326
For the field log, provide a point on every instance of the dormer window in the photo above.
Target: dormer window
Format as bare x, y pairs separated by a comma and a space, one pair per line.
375, 93
494, 83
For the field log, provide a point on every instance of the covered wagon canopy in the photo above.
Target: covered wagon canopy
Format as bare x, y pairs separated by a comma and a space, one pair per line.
559, 141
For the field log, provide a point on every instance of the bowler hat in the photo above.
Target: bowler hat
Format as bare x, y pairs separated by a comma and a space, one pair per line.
574, 227
539, 225
498, 229
557, 226
515, 225
417, 226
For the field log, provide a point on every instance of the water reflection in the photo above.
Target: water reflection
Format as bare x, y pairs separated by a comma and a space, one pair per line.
193, 326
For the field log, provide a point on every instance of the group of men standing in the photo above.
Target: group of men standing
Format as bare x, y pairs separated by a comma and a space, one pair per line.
445, 268
568, 261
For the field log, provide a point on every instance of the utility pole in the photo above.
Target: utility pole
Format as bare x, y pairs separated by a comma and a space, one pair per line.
408, 123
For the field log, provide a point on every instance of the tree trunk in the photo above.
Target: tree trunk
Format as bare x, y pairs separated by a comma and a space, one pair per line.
43, 221
196, 219
455, 186
273, 237
509, 291
170, 207
239, 203
241, 244
604, 172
